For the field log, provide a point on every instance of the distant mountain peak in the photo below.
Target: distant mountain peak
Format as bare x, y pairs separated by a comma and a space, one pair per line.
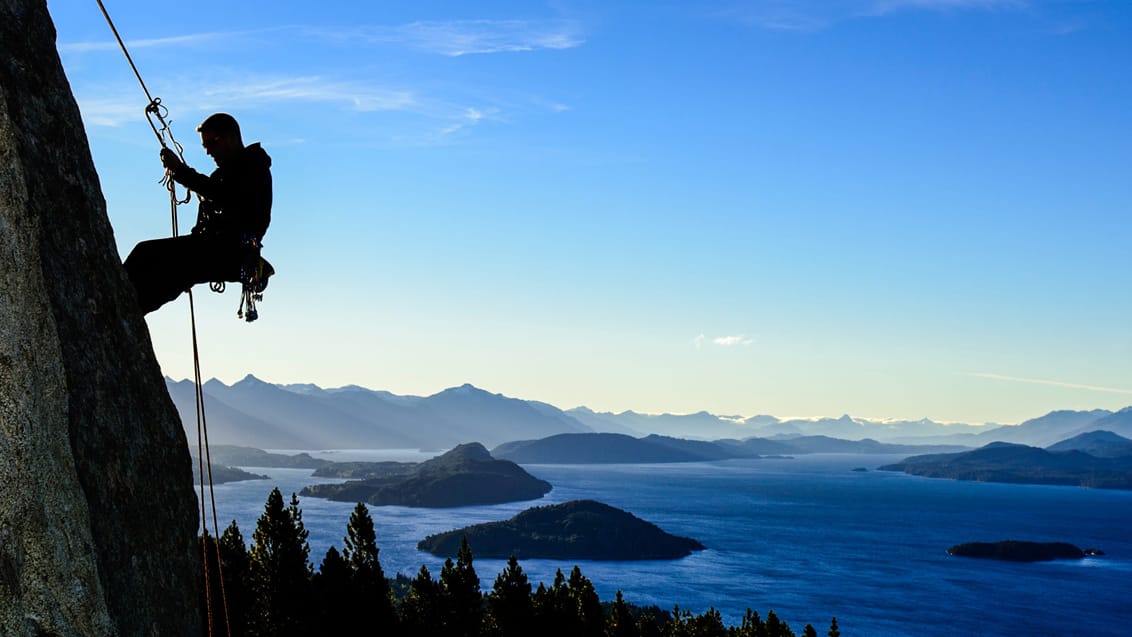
250, 378
302, 388
998, 444
467, 389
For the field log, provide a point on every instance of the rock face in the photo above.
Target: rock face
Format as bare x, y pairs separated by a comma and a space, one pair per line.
97, 511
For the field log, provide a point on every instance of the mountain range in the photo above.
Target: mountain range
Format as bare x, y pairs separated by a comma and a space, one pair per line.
259, 414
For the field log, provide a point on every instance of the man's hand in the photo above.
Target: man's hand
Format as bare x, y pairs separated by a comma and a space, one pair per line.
170, 160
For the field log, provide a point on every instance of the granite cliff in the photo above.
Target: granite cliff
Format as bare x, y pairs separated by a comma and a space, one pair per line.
97, 511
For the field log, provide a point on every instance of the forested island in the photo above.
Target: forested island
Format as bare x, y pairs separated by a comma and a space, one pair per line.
579, 530
466, 475
1020, 551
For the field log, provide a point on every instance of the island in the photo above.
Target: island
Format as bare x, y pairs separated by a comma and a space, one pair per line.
467, 475
219, 474
1022, 464
575, 530
237, 456
1019, 551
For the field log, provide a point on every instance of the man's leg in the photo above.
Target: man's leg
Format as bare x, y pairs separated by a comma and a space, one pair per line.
161, 269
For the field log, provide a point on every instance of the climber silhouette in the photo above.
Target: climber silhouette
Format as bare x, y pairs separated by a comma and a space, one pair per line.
234, 212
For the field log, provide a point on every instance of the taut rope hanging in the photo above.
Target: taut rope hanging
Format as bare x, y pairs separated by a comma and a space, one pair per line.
156, 111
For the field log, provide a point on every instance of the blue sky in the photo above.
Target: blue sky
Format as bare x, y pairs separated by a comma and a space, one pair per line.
886, 208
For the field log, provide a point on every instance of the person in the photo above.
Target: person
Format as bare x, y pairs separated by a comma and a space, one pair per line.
234, 212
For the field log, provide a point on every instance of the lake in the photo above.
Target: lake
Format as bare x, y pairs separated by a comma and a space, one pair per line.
809, 538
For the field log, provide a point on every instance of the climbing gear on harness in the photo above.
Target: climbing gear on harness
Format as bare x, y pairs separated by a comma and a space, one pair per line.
253, 278
254, 274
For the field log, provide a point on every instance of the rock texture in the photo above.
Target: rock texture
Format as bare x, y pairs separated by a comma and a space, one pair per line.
97, 511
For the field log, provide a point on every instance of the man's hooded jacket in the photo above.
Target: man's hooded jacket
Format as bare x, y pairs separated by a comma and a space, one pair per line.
235, 198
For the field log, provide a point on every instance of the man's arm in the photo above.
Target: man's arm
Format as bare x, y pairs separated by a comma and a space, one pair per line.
185, 175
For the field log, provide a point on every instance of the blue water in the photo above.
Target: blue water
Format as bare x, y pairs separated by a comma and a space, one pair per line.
808, 538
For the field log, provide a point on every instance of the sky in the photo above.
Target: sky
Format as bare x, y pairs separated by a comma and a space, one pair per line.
892, 209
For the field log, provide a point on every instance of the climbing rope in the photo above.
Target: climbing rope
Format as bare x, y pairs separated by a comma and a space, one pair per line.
157, 116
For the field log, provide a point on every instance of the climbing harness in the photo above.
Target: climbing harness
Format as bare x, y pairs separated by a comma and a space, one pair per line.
254, 273
156, 113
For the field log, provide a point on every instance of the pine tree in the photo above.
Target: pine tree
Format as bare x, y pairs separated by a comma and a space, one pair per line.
235, 567
809, 631
421, 608
587, 606
280, 571
678, 625
620, 622
707, 624
460, 594
510, 609
335, 595
554, 611
775, 627
752, 625
370, 588
649, 624
833, 630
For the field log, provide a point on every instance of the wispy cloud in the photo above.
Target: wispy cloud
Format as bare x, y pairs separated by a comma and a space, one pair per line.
467, 119
187, 40
732, 341
451, 38
100, 111
880, 7
468, 37
722, 341
813, 15
359, 95
252, 92
1054, 383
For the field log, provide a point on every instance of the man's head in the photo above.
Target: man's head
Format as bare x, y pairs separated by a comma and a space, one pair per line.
220, 136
